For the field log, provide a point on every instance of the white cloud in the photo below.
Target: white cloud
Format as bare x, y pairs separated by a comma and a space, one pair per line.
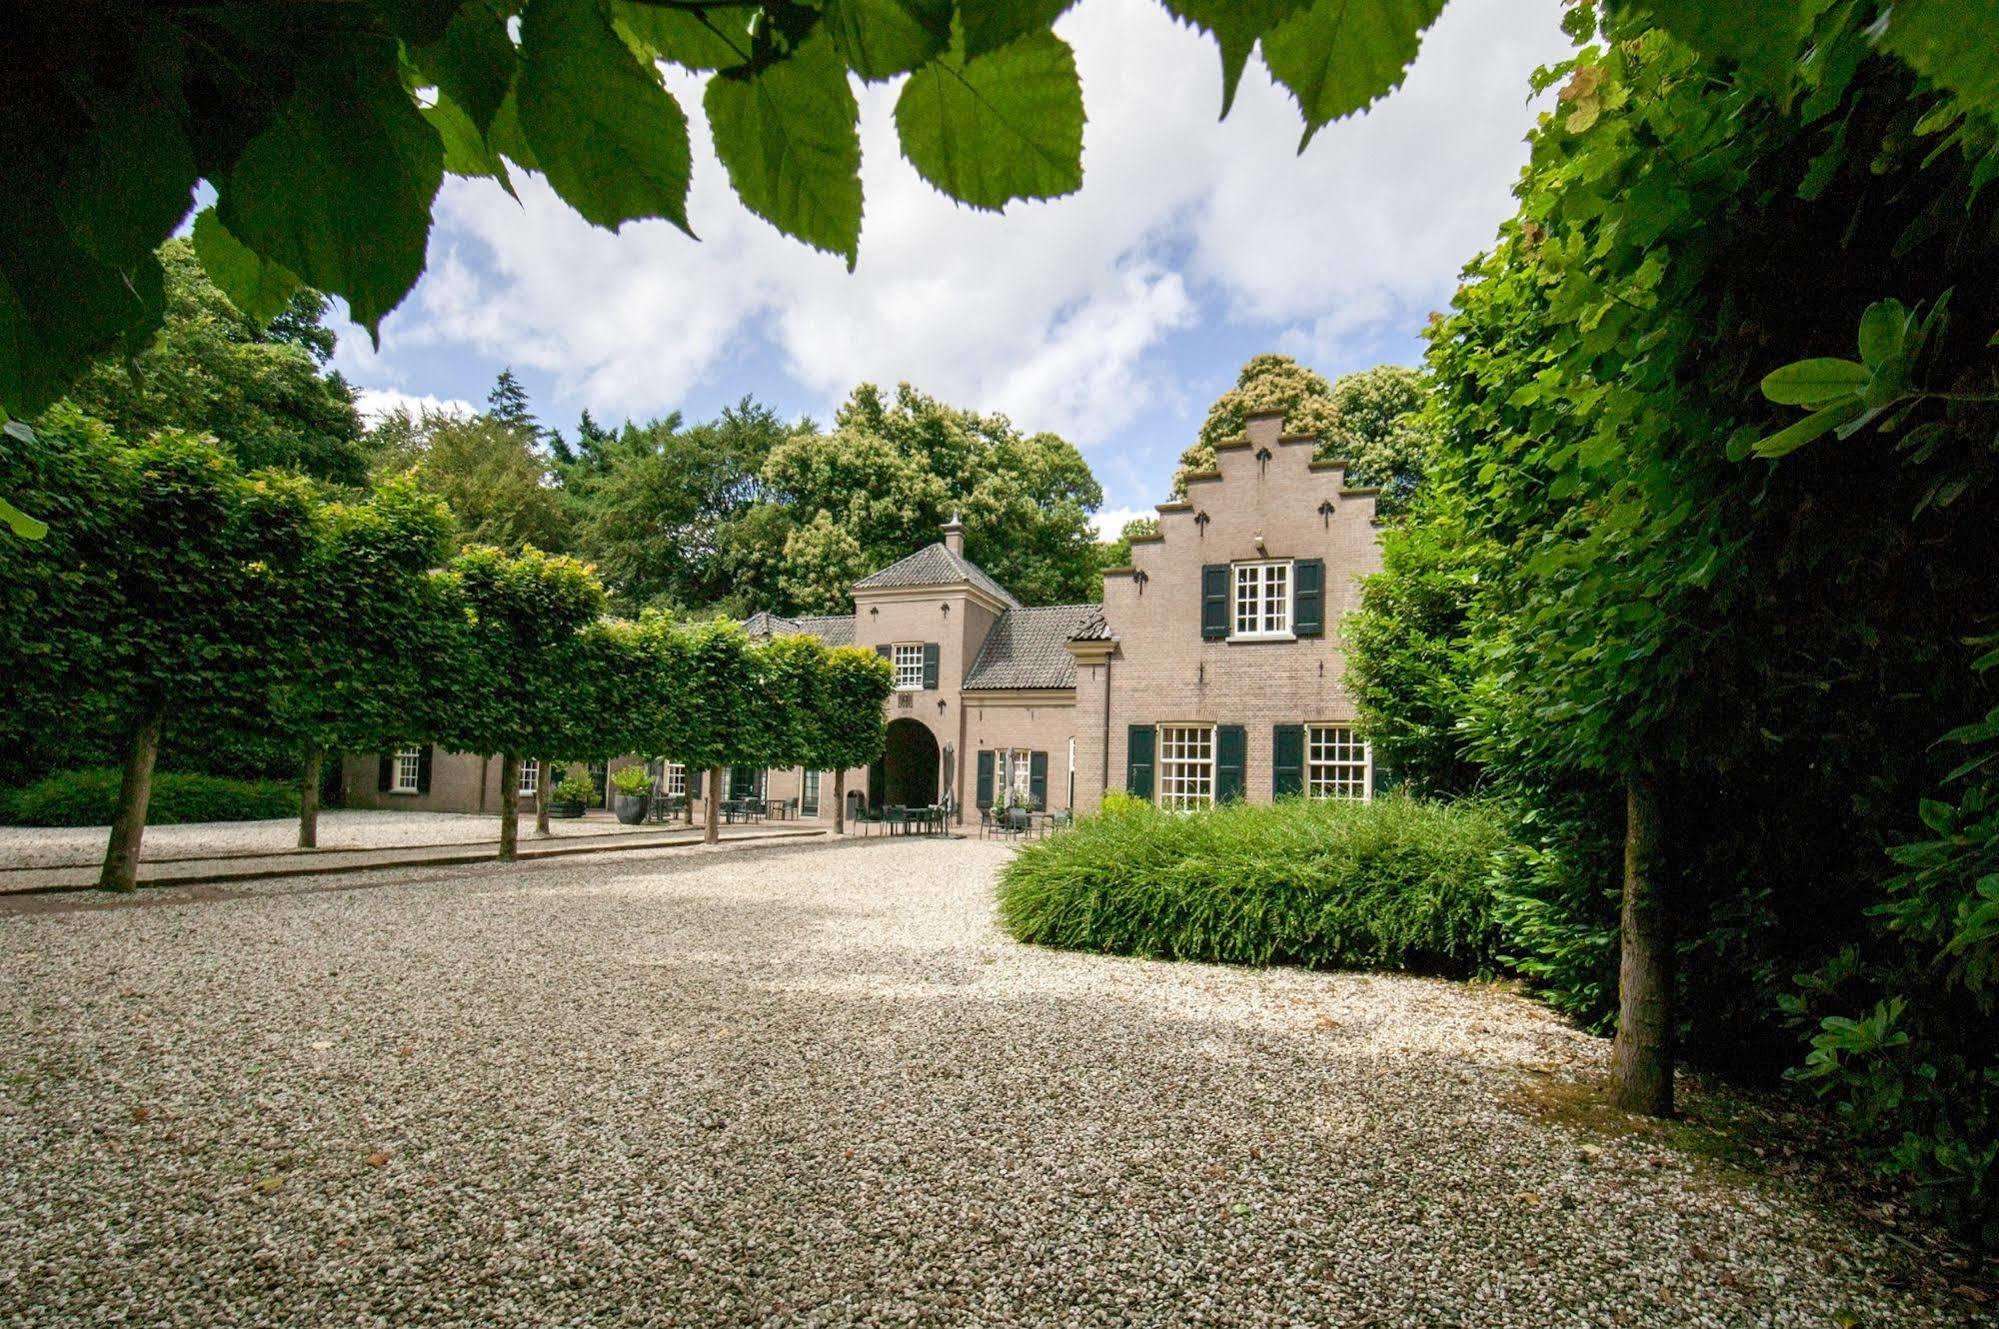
1056, 313
1109, 521
374, 403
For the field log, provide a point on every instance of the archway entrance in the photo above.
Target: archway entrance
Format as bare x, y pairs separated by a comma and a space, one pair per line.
906, 774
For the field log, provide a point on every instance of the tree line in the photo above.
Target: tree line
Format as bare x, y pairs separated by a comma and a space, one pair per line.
180, 591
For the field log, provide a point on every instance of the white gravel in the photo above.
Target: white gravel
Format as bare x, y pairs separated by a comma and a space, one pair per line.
812, 1084
52, 846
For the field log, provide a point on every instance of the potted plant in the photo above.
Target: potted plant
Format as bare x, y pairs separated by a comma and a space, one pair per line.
633, 786
572, 795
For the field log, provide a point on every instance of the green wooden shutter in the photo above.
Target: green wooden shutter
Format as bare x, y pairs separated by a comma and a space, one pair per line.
1287, 760
1308, 597
930, 665
694, 784
385, 773
1037, 780
423, 768
985, 778
1139, 745
1215, 600
885, 652
1231, 755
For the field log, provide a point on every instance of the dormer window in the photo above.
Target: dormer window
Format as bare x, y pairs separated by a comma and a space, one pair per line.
1262, 601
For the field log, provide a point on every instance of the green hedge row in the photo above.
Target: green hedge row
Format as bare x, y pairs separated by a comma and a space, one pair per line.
90, 798
1392, 884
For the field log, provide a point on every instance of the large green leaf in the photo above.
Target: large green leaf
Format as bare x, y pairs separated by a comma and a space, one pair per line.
714, 38
473, 63
882, 38
131, 179
789, 136
999, 127
1762, 37
1339, 55
991, 24
20, 523
610, 138
1814, 426
1814, 382
259, 288
1235, 25
1951, 42
338, 189
466, 152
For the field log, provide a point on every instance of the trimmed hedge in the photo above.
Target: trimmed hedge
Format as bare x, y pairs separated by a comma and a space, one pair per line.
90, 798
1392, 884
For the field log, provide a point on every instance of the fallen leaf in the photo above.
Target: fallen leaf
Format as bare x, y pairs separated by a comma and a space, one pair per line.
1327, 1022
269, 1184
377, 1159
1527, 1197
405, 1051
1970, 1293
141, 1113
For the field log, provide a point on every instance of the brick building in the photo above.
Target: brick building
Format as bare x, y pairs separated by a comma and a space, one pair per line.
1212, 669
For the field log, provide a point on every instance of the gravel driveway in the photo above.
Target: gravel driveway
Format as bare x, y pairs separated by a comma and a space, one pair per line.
813, 1084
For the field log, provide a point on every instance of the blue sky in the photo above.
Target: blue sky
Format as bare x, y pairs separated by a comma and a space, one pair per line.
1112, 317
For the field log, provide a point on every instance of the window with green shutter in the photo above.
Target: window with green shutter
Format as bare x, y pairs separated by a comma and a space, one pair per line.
985, 799
1138, 752
1231, 757
1215, 600
930, 666
1308, 597
1037, 780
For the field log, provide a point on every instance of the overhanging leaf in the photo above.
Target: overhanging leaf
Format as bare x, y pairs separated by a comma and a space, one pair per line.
882, 38
20, 523
473, 62
999, 127
1339, 55
1884, 332
991, 24
715, 38
1813, 382
1816, 425
789, 137
610, 139
260, 289
466, 153
1762, 37
1235, 25
1951, 42
338, 189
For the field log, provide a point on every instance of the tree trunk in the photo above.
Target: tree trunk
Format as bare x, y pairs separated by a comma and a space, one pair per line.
541, 830
128, 825
839, 802
712, 814
510, 805
308, 798
1641, 1060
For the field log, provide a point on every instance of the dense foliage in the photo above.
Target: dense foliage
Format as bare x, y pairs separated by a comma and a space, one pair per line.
1392, 884
1374, 420
1608, 586
90, 798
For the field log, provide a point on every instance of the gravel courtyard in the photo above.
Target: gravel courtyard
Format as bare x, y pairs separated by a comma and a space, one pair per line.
813, 1084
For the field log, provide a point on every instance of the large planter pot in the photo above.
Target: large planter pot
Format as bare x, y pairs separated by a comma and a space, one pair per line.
631, 808
567, 811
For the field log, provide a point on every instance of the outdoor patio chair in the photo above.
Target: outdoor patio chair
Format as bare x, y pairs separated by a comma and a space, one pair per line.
986, 826
898, 817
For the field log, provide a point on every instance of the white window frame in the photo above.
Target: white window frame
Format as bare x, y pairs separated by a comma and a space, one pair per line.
1332, 770
809, 789
530, 778
1265, 614
407, 771
676, 779
1016, 772
1184, 767
907, 656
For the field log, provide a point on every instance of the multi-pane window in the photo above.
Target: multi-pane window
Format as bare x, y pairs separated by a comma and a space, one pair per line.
909, 667
1018, 771
1186, 767
809, 793
676, 779
530, 778
1262, 600
1337, 763
409, 765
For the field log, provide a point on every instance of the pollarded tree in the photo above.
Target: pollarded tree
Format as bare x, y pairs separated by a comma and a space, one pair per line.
376, 632
849, 727
527, 611
718, 705
177, 591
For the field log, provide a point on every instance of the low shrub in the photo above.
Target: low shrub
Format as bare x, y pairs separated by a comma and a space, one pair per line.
632, 780
90, 798
1392, 884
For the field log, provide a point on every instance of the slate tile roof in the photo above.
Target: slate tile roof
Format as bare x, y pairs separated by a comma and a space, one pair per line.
1028, 648
833, 629
934, 565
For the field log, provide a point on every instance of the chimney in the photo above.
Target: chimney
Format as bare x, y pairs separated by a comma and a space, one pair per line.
954, 535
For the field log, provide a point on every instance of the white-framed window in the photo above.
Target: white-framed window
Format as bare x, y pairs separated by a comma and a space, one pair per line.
530, 777
1338, 763
1262, 600
409, 765
909, 666
1186, 767
676, 779
808, 794
1016, 769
